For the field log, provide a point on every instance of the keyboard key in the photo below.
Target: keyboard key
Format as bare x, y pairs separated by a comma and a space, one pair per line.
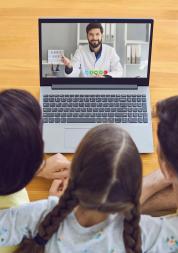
51, 120
140, 120
113, 109
45, 100
81, 120
110, 120
57, 99
63, 120
110, 114
51, 114
63, 114
104, 120
45, 120
132, 120
57, 120
124, 120
118, 120
98, 120
47, 109
145, 120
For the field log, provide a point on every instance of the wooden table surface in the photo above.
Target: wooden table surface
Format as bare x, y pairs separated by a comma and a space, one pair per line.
19, 67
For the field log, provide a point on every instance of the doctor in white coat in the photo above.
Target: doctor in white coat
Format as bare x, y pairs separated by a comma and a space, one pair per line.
94, 59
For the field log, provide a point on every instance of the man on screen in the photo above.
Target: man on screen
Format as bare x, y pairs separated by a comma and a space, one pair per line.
94, 59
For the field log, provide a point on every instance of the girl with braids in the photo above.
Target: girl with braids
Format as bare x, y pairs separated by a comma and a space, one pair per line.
99, 210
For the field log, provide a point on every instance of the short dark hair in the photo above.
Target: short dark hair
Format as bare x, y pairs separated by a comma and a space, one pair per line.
21, 144
94, 26
167, 112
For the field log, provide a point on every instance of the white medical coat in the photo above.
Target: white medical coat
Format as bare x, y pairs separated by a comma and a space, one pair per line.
84, 62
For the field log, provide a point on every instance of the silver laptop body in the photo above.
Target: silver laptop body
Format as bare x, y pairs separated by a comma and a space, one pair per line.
121, 100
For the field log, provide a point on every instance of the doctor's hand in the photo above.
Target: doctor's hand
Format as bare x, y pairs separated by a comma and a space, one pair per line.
66, 62
55, 167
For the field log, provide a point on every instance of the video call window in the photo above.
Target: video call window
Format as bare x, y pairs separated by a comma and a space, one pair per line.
95, 50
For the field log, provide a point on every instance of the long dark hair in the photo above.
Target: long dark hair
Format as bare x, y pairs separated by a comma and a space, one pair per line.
167, 112
106, 175
21, 144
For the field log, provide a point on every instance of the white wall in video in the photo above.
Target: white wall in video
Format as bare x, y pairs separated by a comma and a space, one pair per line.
96, 50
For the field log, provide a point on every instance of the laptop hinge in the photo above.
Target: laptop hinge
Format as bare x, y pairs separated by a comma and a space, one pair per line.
94, 87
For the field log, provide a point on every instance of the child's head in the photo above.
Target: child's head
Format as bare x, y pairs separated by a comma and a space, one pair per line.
21, 145
167, 112
106, 175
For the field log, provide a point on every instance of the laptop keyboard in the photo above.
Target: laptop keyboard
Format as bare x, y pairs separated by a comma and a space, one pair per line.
95, 109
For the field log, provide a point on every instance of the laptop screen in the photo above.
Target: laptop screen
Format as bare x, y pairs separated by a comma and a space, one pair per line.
95, 51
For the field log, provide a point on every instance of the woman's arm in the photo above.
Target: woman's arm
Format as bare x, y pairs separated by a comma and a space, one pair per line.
153, 183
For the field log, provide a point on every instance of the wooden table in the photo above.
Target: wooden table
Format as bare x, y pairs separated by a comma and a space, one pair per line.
19, 66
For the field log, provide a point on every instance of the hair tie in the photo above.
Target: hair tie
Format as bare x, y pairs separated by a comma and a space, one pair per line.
39, 240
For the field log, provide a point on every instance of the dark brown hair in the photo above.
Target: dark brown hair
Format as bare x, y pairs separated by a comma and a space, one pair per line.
106, 175
94, 26
21, 144
167, 112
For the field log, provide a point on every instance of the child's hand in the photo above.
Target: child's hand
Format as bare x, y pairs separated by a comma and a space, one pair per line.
55, 167
58, 187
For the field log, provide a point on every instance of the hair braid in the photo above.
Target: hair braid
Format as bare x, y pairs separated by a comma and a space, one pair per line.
132, 233
52, 221
66, 204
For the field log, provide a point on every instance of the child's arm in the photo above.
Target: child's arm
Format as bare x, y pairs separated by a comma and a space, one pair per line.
16, 223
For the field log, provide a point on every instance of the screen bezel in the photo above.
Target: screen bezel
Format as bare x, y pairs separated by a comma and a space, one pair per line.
91, 81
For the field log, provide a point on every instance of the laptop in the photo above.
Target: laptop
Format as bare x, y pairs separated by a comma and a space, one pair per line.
94, 71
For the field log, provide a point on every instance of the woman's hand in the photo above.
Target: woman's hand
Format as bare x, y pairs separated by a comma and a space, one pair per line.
55, 167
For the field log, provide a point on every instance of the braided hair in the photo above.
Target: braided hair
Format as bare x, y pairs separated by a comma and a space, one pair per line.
106, 175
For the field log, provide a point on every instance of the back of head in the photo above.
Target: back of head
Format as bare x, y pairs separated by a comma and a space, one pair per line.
21, 145
106, 164
106, 175
167, 112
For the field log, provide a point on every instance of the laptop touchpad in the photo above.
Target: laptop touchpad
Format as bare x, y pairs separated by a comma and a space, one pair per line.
72, 136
